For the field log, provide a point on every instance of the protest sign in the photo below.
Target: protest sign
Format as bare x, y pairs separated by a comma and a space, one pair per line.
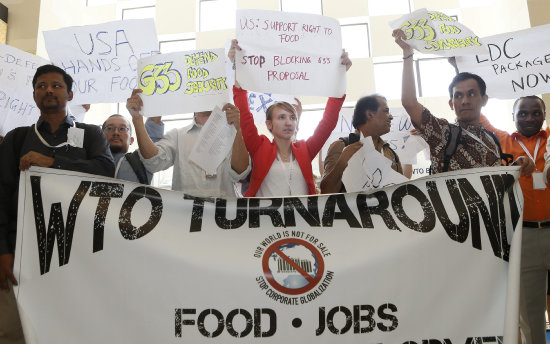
400, 139
517, 65
289, 53
368, 169
214, 142
405, 145
422, 262
433, 32
102, 58
17, 106
260, 102
343, 128
183, 82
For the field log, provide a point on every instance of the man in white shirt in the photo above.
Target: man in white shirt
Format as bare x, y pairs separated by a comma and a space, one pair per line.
176, 146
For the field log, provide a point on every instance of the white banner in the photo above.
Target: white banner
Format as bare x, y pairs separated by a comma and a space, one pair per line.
433, 32
102, 58
17, 106
290, 53
183, 82
108, 261
517, 65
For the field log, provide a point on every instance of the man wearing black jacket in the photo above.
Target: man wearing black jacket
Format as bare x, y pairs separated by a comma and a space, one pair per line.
55, 141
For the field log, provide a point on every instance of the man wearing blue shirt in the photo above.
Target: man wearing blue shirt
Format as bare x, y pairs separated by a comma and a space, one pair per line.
118, 131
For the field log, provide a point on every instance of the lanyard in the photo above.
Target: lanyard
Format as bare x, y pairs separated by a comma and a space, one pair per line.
479, 140
46, 143
527, 151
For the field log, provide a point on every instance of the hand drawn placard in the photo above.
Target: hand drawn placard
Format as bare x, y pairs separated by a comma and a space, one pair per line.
433, 32
289, 53
102, 58
517, 65
183, 82
17, 106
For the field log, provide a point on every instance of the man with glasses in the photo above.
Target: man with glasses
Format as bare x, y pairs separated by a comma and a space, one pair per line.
118, 131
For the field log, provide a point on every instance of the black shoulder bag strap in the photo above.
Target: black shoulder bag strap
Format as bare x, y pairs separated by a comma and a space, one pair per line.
453, 141
508, 158
137, 166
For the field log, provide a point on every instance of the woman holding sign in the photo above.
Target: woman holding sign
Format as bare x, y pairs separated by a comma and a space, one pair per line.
282, 167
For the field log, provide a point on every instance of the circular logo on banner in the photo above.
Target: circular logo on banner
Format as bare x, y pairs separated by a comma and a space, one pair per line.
293, 266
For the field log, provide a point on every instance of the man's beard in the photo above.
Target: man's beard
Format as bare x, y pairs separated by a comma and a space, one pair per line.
115, 149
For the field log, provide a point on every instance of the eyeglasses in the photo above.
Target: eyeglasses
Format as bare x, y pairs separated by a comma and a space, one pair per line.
120, 129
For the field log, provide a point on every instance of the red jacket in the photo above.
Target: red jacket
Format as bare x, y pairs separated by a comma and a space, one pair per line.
263, 152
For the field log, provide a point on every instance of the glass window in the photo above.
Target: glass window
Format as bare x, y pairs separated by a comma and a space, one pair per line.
435, 76
302, 6
385, 7
139, 12
387, 79
355, 39
499, 113
217, 14
177, 45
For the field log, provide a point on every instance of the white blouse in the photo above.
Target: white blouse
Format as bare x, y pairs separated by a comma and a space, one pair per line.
283, 179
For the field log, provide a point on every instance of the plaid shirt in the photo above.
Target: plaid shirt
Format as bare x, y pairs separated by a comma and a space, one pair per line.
469, 154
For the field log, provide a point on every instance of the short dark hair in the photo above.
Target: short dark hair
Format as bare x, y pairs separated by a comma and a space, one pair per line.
529, 97
465, 76
50, 68
369, 102
117, 115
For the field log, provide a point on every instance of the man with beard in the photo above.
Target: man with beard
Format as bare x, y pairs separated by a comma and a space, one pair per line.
55, 141
118, 131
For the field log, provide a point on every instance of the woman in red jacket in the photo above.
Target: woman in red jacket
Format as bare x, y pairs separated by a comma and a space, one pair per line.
282, 167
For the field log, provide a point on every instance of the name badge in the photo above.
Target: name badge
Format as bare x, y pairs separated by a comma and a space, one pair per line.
538, 181
75, 137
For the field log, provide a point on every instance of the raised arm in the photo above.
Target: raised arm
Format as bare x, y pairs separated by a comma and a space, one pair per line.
147, 148
408, 87
239, 154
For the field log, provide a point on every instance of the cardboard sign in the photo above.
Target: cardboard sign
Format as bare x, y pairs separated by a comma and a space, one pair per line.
102, 58
17, 106
289, 53
517, 65
433, 32
183, 82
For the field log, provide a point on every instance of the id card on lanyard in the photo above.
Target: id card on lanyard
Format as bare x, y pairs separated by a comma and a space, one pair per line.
538, 178
75, 137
